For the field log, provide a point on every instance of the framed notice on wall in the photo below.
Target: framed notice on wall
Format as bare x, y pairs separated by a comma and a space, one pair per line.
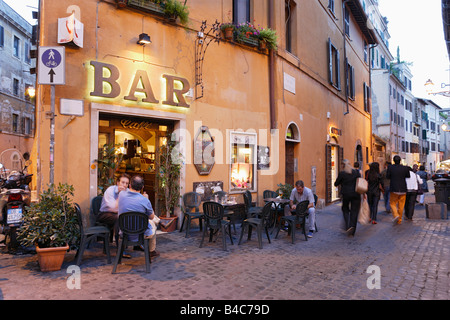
69, 107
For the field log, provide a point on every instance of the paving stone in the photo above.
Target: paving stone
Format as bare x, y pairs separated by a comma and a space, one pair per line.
412, 260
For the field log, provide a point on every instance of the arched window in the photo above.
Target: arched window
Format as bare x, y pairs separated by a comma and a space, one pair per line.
292, 132
15, 161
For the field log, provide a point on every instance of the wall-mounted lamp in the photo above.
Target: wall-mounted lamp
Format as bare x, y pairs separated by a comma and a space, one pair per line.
144, 39
430, 88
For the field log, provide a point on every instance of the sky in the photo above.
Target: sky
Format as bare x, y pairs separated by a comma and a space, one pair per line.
414, 25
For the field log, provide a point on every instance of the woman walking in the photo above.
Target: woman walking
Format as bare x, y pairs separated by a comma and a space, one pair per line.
424, 186
374, 180
351, 200
412, 185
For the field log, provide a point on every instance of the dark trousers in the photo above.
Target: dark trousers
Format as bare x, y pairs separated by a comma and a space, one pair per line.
350, 209
410, 203
373, 200
110, 219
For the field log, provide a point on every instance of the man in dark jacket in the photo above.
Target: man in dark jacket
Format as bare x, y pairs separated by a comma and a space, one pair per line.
351, 200
397, 173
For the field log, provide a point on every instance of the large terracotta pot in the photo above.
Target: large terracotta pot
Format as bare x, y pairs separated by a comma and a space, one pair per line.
51, 259
168, 224
228, 33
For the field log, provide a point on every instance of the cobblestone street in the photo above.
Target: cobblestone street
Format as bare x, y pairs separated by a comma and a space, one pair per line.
413, 260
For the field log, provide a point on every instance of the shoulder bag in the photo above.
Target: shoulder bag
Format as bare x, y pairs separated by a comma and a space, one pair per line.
361, 185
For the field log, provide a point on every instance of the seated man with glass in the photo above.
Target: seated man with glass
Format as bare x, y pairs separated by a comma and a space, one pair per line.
301, 193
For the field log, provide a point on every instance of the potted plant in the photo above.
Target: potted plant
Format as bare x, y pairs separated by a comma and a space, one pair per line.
151, 6
175, 9
284, 190
247, 34
228, 30
121, 3
169, 166
51, 224
108, 163
268, 37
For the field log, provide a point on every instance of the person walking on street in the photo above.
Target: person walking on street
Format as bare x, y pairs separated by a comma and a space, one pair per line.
397, 173
375, 187
351, 200
412, 186
424, 186
386, 185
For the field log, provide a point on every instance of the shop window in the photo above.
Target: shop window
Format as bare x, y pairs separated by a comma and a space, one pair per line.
243, 162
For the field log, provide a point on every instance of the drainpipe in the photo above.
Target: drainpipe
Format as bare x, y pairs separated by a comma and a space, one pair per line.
345, 57
370, 100
273, 120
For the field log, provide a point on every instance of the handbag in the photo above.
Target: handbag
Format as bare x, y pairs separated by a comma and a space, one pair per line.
364, 212
361, 185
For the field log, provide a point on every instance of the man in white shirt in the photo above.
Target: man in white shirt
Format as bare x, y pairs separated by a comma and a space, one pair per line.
301, 193
110, 204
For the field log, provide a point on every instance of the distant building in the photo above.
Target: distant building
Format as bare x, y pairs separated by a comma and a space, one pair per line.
17, 109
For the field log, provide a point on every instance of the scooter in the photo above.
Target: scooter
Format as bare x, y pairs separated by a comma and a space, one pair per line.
14, 197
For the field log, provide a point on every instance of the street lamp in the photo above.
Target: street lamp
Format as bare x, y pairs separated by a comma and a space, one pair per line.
430, 88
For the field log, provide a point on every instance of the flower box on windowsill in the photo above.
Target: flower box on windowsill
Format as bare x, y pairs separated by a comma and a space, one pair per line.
249, 41
147, 6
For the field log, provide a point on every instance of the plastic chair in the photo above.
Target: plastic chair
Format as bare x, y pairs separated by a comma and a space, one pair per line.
213, 215
301, 213
133, 224
315, 206
263, 222
269, 194
88, 234
249, 210
191, 201
96, 203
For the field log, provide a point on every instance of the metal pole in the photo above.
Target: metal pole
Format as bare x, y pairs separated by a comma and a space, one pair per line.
52, 135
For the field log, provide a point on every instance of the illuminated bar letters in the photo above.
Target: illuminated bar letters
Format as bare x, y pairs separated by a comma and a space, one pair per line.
106, 85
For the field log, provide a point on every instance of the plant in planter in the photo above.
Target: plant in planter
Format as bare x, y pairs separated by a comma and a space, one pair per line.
121, 3
51, 225
247, 33
285, 190
227, 29
174, 9
169, 166
108, 163
269, 37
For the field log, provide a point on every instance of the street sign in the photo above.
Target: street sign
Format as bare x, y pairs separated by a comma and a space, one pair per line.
52, 69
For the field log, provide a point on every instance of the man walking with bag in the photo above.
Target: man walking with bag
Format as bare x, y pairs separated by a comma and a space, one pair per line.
397, 173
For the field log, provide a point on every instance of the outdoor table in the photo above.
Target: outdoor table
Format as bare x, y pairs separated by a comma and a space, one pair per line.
231, 210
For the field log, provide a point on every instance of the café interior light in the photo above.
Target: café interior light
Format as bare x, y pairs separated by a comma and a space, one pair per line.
144, 39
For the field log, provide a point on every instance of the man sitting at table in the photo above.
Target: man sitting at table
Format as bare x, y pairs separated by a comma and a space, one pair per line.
301, 193
133, 200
